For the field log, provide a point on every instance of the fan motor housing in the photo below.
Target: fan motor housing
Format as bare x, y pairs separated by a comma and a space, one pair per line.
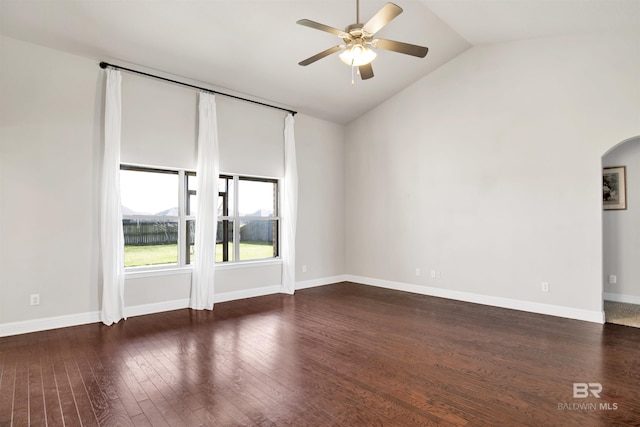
356, 31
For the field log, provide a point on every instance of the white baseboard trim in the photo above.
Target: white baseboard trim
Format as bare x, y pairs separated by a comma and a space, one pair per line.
247, 293
55, 322
533, 307
155, 307
320, 282
47, 323
629, 299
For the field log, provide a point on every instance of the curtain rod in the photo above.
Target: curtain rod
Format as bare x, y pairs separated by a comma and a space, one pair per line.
104, 65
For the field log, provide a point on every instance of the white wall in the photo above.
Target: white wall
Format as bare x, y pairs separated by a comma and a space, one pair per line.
488, 171
51, 145
621, 228
50, 127
320, 240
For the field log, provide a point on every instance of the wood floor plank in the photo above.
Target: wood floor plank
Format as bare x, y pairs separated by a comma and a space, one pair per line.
141, 420
163, 395
82, 398
70, 415
37, 407
108, 369
7, 388
152, 414
105, 401
344, 355
53, 409
20, 416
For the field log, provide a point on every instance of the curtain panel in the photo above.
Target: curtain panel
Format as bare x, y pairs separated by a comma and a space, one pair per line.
289, 209
111, 233
207, 173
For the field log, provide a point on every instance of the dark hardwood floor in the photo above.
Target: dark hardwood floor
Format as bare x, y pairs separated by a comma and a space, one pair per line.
345, 355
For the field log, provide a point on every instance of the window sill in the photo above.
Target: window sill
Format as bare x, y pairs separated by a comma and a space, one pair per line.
142, 272
248, 264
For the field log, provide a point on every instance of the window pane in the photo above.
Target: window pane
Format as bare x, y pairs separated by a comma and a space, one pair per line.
192, 181
192, 199
224, 241
258, 239
224, 226
149, 193
191, 238
192, 204
150, 242
257, 198
225, 200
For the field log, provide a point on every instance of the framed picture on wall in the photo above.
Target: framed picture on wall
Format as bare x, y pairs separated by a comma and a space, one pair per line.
614, 188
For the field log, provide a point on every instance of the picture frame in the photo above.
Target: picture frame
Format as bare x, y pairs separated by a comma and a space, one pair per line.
614, 188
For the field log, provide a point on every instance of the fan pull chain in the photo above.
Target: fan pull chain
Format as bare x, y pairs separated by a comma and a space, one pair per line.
353, 73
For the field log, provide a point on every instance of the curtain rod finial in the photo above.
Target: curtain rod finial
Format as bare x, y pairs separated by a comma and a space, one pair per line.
103, 65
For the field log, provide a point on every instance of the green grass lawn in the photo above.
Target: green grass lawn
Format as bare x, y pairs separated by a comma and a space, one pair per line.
135, 256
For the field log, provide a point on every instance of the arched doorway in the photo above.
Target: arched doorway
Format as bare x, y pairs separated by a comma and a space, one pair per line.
621, 233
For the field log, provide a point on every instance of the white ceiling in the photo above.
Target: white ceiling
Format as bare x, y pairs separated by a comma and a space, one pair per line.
253, 47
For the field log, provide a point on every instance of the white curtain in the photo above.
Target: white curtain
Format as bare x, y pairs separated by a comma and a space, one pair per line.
289, 209
207, 173
111, 234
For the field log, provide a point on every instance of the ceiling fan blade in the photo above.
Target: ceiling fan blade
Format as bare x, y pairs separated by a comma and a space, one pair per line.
320, 55
406, 48
382, 18
322, 27
366, 71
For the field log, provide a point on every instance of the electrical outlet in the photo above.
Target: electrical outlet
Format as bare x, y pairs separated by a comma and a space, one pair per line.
613, 279
433, 274
304, 268
35, 299
438, 275
545, 287
417, 271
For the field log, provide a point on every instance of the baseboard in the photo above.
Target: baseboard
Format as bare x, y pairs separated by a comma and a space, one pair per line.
629, 299
247, 293
55, 322
320, 282
155, 307
48, 323
533, 307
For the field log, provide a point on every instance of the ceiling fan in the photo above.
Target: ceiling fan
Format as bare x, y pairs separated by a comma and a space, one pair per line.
358, 40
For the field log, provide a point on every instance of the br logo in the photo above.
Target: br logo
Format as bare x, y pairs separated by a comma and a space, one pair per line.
583, 390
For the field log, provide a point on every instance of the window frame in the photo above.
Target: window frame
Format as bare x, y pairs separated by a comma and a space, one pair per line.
235, 218
178, 218
184, 216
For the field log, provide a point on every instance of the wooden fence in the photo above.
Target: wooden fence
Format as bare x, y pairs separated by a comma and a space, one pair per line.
147, 232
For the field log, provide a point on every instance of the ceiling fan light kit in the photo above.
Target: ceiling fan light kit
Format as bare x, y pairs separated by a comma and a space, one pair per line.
357, 50
357, 55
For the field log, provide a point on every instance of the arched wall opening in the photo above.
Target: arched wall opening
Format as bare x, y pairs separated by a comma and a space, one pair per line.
621, 229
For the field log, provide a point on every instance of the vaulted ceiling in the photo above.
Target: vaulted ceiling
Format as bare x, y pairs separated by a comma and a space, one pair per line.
253, 47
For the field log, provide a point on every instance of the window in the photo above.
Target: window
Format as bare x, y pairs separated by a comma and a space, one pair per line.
248, 225
159, 217
256, 216
150, 216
